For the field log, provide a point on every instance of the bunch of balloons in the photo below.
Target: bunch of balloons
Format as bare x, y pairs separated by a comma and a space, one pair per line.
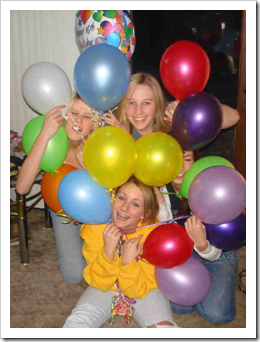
45, 86
181, 278
184, 70
106, 27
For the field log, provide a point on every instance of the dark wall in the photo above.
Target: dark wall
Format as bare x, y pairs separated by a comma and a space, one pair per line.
218, 32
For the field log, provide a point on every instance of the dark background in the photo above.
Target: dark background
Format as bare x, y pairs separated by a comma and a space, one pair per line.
218, 32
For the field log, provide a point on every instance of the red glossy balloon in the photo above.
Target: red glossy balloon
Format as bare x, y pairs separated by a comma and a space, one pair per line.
167, 246
49, 186
184, 69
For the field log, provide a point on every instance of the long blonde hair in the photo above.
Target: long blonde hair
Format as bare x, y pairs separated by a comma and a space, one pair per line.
151, 206
144, 79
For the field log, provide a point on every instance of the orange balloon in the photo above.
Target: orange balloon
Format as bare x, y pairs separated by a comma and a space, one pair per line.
50, 184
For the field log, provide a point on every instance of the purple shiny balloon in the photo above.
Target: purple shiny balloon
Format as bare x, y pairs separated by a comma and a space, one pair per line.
197, 120
187, 284
226, 236
217, 195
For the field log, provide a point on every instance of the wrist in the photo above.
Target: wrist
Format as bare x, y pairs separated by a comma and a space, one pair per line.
109, 253
202, 247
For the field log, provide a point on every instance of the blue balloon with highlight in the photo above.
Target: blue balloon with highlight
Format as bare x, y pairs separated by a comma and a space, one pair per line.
83, 199
102, 75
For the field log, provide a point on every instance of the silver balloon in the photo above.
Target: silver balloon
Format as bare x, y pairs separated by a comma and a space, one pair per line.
44, 86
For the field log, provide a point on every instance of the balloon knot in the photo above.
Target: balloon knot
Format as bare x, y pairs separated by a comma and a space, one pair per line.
112, 192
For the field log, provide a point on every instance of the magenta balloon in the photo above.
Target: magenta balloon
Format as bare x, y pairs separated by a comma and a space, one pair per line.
186, 285
217, 195
226, 236
197, 120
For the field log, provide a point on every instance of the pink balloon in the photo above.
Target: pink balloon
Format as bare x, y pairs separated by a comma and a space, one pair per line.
186, 285
217, 195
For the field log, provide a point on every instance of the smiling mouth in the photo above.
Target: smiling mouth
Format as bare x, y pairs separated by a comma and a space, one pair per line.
122, 216
140, 119
180, 175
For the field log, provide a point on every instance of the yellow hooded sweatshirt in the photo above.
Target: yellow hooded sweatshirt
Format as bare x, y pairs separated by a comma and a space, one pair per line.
135, 279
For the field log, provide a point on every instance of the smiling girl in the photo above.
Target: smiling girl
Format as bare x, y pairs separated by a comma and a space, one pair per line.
114, 274
78, 126
142, 109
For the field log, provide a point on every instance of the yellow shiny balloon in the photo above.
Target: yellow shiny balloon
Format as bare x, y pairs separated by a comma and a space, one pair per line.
110, 156
159, 159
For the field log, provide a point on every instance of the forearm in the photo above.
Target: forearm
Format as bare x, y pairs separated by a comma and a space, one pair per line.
31, 165
230, 116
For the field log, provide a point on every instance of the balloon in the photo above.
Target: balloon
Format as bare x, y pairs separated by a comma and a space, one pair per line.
107, 27
184, 69
159, 159
226, 236
45, 86
217, 195
197, 167
167, 246
57, 148
186, 285
102, 75
197, 121
83, 199
110, 156
49, 186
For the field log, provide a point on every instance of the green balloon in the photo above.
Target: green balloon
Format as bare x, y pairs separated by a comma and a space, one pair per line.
199, 166
57, 148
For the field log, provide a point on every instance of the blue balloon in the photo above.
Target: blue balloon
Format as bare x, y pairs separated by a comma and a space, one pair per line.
102, 75
83, 199
226, 236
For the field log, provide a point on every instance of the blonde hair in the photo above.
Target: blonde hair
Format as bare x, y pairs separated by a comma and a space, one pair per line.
96, 119
151, 206
144, 79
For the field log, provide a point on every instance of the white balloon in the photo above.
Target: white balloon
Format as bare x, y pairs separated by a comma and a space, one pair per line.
45, 86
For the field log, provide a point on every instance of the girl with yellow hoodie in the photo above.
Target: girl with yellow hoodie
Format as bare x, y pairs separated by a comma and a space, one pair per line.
118, 282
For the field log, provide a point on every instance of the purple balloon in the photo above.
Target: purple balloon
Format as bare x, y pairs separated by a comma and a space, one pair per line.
187, 284
217, 195
226, 236
197, 120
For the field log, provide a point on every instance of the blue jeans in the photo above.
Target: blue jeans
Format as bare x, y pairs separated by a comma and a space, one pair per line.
220, 304
69, 248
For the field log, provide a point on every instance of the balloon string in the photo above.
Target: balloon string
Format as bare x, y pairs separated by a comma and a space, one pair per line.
158, 223
170, 193
69, 219
74, 127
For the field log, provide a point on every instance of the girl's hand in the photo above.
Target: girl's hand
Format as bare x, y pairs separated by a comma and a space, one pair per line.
112, 120
197, 233
170, 109
131, 249
111, 237
159, 196
52, 122
79, 153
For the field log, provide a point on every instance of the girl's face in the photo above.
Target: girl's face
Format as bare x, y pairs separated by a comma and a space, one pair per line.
128, 207
79, 115
140, 109
188, 160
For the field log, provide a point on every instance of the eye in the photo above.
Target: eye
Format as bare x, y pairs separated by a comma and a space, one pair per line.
147, 103
131, 103
73, 113
88, 117
136, 205
121, 198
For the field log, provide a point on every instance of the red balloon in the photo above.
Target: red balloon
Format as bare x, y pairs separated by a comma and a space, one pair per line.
184, 69
167, 246
50, 184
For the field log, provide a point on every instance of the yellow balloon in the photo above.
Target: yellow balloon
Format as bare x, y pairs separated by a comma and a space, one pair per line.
110, 156
159, 159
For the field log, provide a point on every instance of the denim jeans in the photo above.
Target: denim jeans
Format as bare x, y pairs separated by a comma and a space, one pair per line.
220, 304
69, 248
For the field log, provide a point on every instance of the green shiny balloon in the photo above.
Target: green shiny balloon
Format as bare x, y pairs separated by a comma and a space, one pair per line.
57, 148
199, 166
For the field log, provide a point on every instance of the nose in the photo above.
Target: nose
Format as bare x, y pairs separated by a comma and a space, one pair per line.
124, 206
138, 109
79, 118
